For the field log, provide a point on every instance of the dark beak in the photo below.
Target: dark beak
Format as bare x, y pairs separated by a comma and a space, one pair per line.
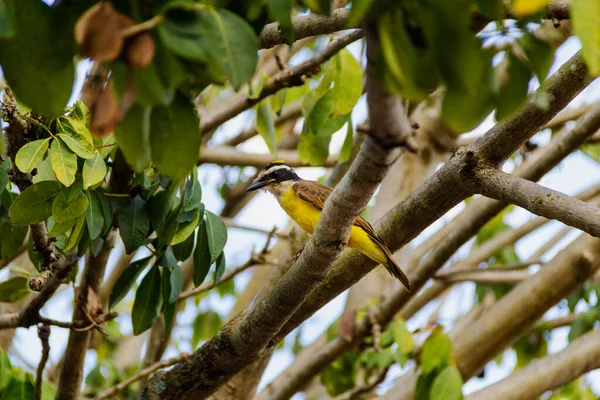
256, 185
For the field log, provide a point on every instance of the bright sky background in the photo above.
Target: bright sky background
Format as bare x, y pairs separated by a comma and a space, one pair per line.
573, 175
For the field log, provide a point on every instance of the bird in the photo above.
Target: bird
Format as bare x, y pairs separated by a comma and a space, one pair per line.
303, 201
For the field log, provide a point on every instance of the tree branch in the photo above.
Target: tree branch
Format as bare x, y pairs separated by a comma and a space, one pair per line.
539, 200
547, 373
305, 26
290, 111
403, 222
293, 76
482, 339
29, 315
249, 336
43, 334
71, 374
485, 276
143, 373
230, 156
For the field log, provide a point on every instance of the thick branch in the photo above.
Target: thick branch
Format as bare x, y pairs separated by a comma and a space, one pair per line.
305, 26
548, 373
230, 156
29, 315
482, 339
445, 189
71, 374
293, 76
250, 336
539, 200
421, 208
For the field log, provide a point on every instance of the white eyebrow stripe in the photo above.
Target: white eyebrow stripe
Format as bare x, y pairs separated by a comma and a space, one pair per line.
264, 173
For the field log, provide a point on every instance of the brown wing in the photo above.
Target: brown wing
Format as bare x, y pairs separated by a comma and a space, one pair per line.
316, 193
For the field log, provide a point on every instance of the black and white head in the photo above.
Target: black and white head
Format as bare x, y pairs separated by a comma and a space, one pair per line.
275, 177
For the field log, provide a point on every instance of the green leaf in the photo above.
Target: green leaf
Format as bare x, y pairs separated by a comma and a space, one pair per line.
202, 261
513, 92
30, 155
436, 351
133, 137
73, 191
14, 289
233, 45
11, 239
62, 211
321, 111
402, 337
107, 211
539, 53
4, 166
61, 227
358, 11
169, 309
64, 162
94, 171
6, 26
186, 229
491, 9
134, 223
205, 326
148, 301
265, 124
447, 385
412, 70
76, 128
5, 370
281, 11
175, 138
38, 44
34, 204
78, 144
161, 205
192, 196
20, 387
75, 235
347, 82
219, 268
170, 68
176, 281
126, 281
217, 235
217, 37
463, 112
150, 89
346, 151
313, 149
94, 216
183, 250
585, 15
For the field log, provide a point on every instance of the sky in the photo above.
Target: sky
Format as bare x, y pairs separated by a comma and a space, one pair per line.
574, 174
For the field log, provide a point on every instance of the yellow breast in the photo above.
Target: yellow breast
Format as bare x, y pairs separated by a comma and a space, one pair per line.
307, 216
299, 210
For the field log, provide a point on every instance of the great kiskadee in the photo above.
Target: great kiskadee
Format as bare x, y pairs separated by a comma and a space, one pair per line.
303, 201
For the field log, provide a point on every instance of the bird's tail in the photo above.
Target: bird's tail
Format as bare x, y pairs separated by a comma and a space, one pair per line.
395, 270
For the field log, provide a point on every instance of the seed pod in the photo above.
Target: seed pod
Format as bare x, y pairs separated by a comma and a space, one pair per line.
139, 51
104, 117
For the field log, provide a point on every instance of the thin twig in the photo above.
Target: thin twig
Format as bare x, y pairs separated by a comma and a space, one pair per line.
294, 76
43, 334
255, 259
230, 224
142, 27
141, 374
357, 393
